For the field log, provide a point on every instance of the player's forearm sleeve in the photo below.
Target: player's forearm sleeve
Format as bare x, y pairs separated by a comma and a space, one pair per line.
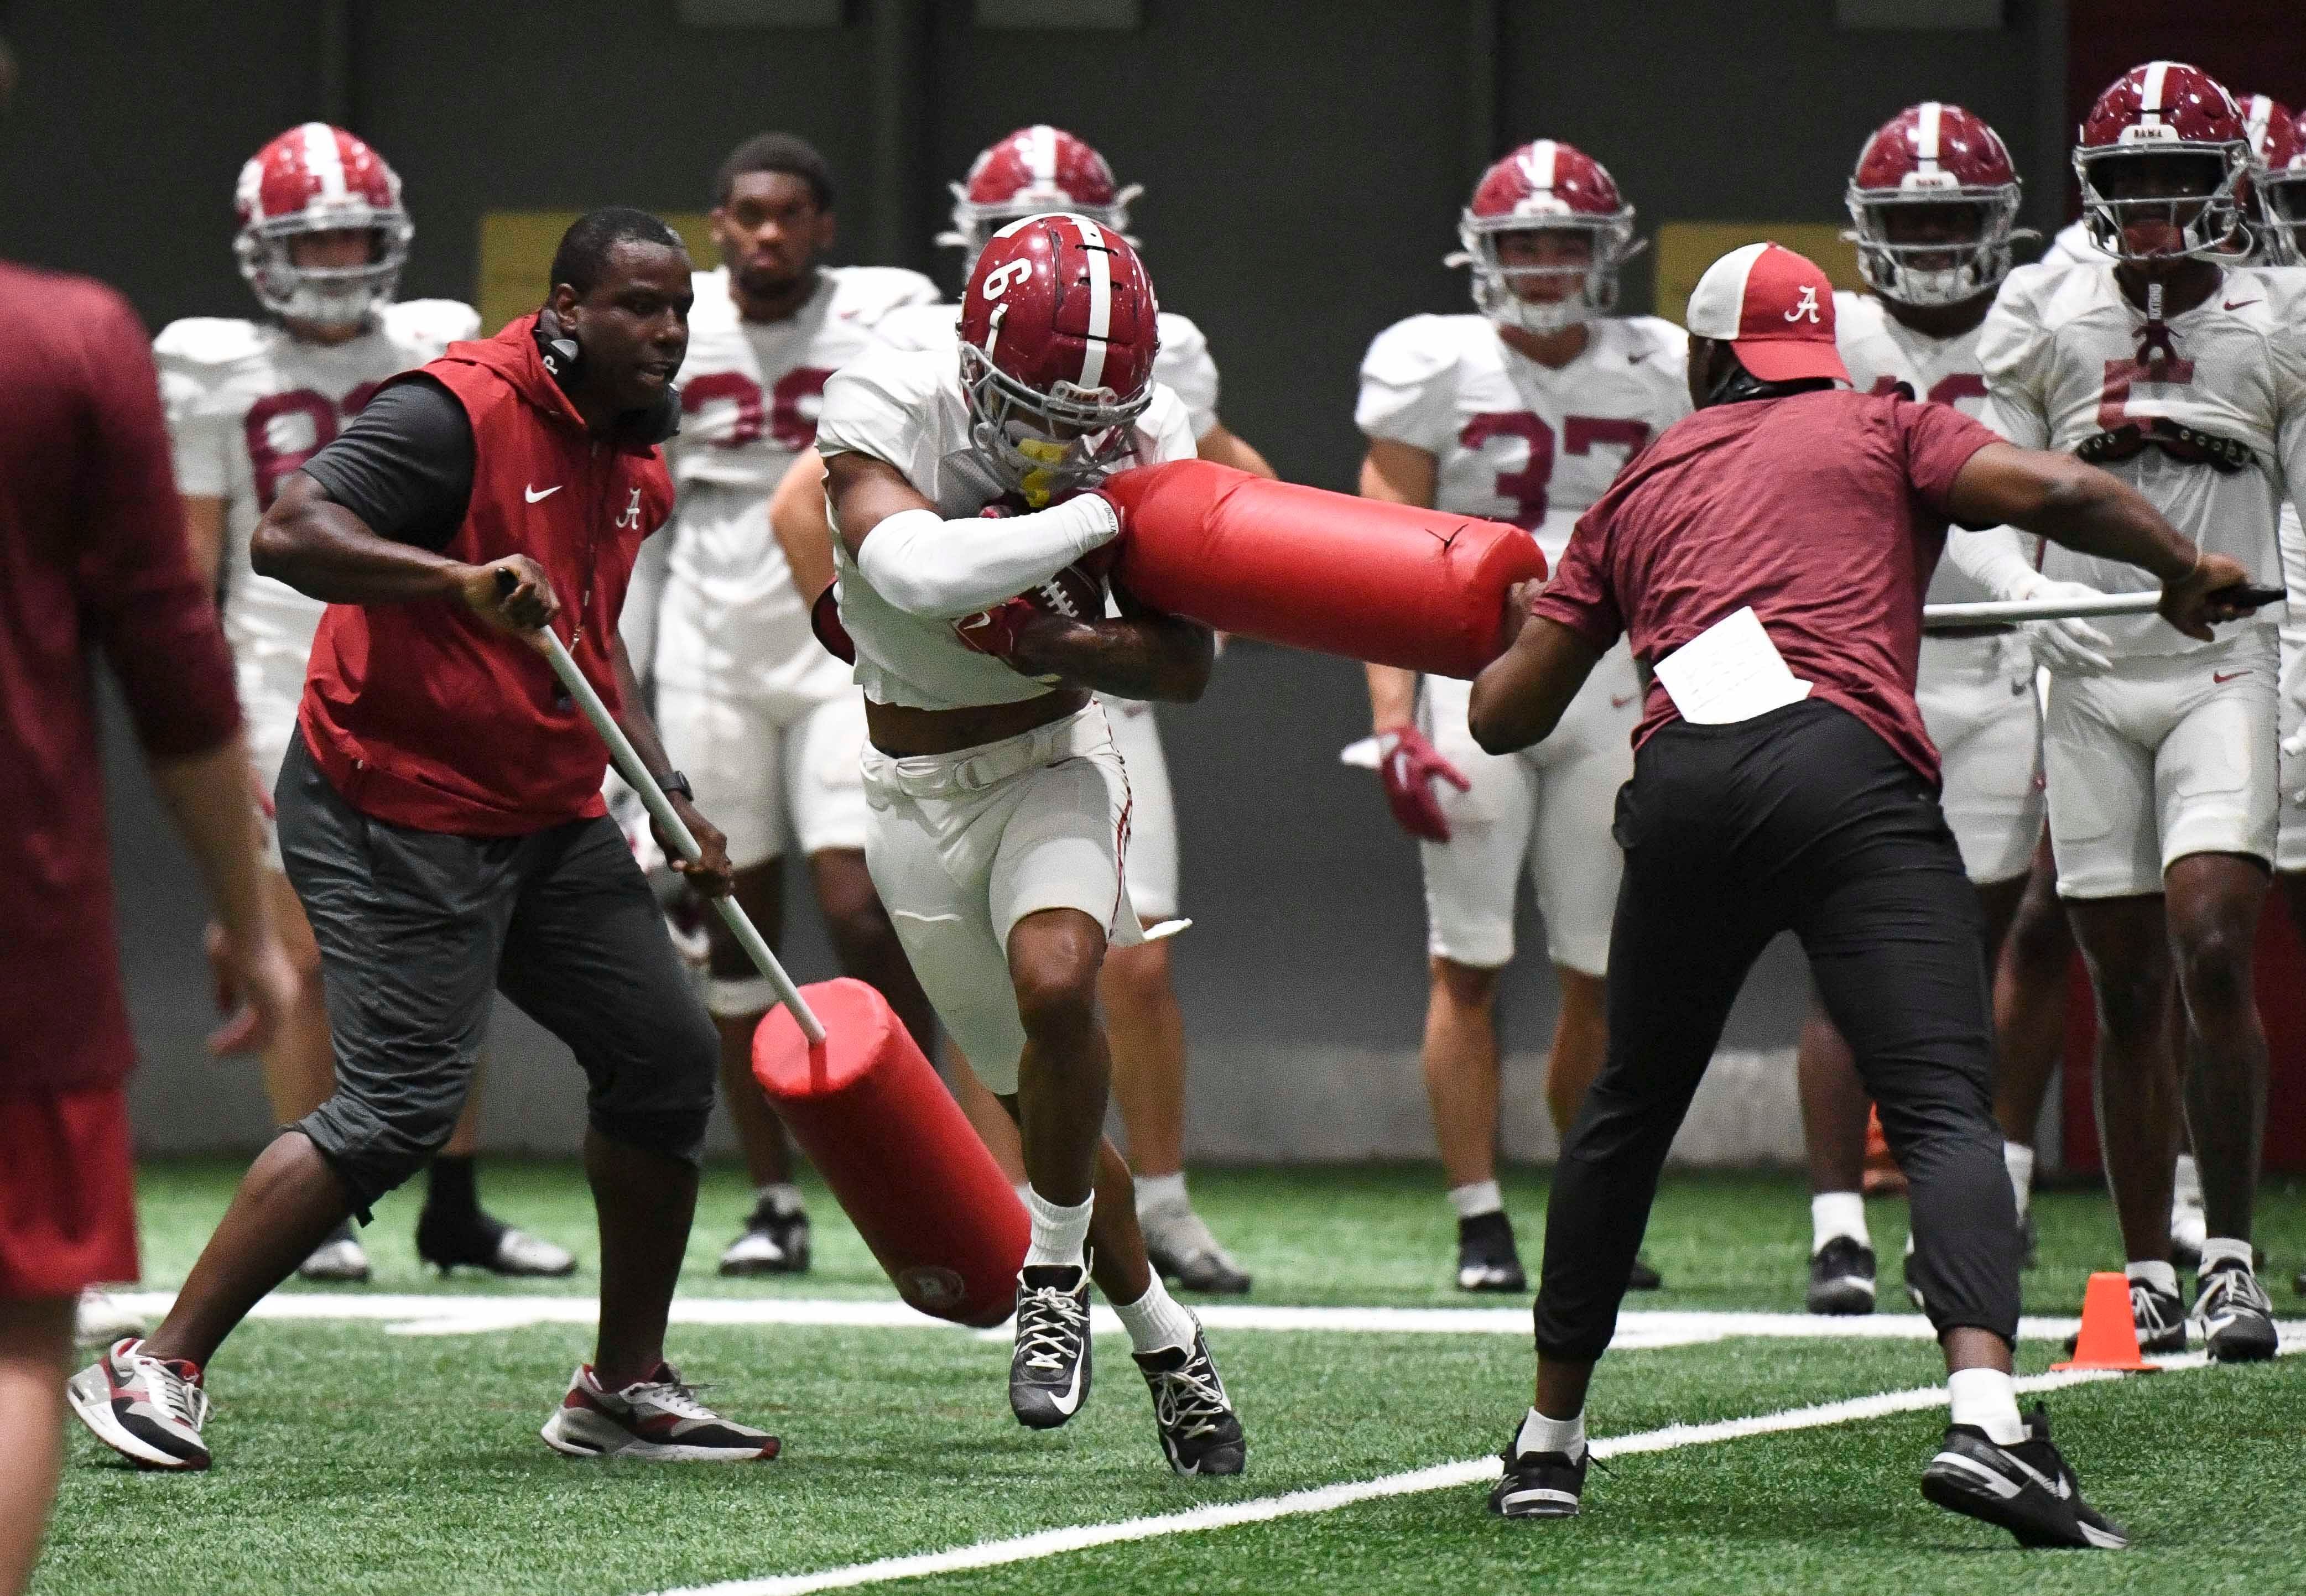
1994, 558
945, 569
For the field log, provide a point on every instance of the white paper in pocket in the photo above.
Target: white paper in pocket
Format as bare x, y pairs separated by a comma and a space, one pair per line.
1729, 672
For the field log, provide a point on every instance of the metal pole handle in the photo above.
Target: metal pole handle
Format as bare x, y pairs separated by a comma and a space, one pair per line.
2011, 611
660, 808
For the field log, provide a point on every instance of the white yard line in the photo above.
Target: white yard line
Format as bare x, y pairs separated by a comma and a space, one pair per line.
1329, 1498
413, 1314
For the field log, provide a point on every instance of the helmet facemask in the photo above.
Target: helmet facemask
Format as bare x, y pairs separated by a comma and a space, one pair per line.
2206, 219
2278, 221
1950, 269
1593, 284
325, 296
1046, 445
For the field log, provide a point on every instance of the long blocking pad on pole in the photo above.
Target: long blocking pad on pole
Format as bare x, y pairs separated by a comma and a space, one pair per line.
903, 1161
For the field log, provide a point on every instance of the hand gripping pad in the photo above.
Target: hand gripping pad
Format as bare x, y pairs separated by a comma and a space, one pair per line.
901, 1160
1391, 584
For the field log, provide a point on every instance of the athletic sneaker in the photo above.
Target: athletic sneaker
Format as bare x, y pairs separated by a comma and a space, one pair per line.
2027, 1489
773, 1243
1182, 1249
1539, 1484
1201, 1434
2236, 1314
339, 1257
100, 1318
2160, 1317
1487, 1260
1842, 1277
481, 1241
148, 1410
1049, 1372
657, 1419
2189, 1227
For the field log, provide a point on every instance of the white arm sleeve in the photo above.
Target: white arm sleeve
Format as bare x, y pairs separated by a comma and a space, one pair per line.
1994, 558
945, 569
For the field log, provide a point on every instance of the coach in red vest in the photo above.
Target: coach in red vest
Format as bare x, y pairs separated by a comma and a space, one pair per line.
440, 819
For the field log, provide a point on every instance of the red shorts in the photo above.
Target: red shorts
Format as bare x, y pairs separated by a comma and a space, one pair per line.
67, 1193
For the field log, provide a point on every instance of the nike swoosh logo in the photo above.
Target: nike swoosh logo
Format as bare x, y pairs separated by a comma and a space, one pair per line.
1617, 703
2056, 1487
2228, 677
2235, 305
534, 496
1072, 1393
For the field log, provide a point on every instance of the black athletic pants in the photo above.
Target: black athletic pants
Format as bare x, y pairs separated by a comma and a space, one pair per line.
1805, 820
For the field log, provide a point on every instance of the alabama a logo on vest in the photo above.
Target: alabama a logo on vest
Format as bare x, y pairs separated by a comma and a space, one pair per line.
632, 515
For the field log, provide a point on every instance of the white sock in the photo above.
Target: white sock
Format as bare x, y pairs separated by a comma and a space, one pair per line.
1155, 1321
1060, 1233
1986, 1399
781, 1196
1477, 1198
2157, 1273
1161, 1191
2017, 1159
2186, 1187
1837, 1214
1539, 1433
2218, 1250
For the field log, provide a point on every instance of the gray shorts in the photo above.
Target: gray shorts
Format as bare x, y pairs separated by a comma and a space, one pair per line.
416, 929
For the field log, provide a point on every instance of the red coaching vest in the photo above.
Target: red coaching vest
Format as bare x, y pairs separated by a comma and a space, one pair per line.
423, 715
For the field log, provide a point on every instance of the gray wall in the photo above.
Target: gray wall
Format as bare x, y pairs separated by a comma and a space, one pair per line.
1302, 178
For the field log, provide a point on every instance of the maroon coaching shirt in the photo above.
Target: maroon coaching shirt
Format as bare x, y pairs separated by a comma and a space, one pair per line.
92, 551
1826, 511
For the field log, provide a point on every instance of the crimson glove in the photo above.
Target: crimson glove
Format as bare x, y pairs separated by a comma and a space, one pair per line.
1407, 763
995, 631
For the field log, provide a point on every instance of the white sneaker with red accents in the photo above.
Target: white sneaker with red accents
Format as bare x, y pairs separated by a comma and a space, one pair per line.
148, 1410
657, 1419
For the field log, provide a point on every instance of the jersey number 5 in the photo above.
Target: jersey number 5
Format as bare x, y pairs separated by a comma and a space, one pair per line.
1579, 433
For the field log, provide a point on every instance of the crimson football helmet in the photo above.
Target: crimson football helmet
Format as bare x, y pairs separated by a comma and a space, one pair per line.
2282, 195
1942, 163
2273, 135
2164, 112
1058, 331
1546, 187
315, 179
1034, 171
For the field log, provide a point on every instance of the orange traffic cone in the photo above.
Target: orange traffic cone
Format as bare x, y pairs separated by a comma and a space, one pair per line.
1882, 1177
2109, 1337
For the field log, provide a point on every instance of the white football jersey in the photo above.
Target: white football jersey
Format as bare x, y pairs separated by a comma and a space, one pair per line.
2074, 246
1183, 364
732, 621
1883, 352
1516, 440
2061, 349
248, 403
905, 406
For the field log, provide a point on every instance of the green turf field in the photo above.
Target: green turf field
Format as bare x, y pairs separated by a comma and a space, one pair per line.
353, 1459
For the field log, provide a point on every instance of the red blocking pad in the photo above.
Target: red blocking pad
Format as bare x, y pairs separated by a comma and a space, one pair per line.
901, 1159
1391, 584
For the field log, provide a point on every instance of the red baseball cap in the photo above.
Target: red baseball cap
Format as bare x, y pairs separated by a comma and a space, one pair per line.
1777, 307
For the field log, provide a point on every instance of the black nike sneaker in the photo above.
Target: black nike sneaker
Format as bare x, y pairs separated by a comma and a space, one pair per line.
2236, 1315
2160, 1317
1201, 1434
1049, 1372
481, 1241
1842, 1277
1487, 1260
2027, 1489
1540, 1484
776, 1241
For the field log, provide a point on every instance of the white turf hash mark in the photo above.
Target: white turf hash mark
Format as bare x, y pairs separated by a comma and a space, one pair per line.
1329, 1498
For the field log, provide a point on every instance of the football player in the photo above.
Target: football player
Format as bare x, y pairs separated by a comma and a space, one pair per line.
1523, 411
1934, 202
1035, 169
763, 722
1000, 809
2182, 370
323, 236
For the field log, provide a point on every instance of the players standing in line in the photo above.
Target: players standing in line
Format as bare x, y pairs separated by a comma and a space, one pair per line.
323, 238
1000, 805
2183, 372
1933, 202
1524, 413
762, 720
1035, 169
